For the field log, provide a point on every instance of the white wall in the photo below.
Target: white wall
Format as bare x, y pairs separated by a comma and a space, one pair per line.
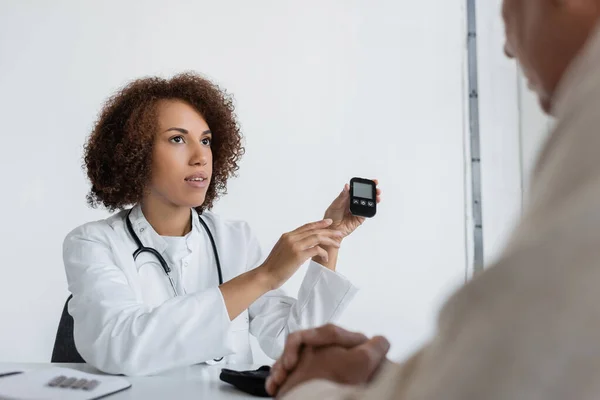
326, 90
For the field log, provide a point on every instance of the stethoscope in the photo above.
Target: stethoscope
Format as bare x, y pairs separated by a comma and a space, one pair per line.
141, 248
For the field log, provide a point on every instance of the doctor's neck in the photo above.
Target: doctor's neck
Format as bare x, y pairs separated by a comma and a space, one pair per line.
167, 219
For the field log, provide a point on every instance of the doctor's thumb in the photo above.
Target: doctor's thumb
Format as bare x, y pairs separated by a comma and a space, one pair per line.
345, 193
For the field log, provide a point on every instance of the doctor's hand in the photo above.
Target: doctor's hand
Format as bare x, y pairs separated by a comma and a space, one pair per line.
352, 366
339, 212
294, 248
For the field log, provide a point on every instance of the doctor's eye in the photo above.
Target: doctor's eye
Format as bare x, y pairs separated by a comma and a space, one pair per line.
177, 139
207, 141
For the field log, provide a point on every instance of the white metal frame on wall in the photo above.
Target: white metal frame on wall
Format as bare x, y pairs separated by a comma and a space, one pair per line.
473, 190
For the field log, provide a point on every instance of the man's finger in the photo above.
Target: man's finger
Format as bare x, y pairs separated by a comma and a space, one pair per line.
270, 387
371, 354
270, 384
276, 378
330, 334
326, 335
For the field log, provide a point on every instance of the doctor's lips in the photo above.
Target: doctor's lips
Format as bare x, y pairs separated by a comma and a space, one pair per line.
198, 180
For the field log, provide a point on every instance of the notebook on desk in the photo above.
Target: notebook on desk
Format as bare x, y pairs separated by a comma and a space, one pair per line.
59, 383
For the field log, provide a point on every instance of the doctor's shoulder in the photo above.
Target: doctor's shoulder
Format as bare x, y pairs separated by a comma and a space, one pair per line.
229, 231
100, 233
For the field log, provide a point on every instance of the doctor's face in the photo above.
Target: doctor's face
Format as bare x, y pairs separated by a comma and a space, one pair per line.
545, 36
182, 156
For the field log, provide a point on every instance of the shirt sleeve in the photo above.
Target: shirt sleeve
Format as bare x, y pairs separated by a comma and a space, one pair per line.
322, 297
385, 386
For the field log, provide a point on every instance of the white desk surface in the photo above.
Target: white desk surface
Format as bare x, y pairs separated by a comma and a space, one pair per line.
194, 382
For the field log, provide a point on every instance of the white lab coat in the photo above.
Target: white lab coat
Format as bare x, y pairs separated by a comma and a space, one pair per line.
127, 320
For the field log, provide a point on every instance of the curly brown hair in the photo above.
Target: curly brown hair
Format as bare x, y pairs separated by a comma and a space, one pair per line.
118, 153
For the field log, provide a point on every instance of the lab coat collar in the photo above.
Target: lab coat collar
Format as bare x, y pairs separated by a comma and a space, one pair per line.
194, 235
150, 238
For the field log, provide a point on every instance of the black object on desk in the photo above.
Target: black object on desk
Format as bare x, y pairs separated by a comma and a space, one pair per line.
251, 382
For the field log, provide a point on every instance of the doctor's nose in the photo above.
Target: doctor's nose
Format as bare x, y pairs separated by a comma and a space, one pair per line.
199, 156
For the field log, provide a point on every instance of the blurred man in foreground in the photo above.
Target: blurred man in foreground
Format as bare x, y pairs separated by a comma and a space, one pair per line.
529, 326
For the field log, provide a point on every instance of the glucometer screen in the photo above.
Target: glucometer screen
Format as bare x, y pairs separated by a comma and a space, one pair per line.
363, 190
